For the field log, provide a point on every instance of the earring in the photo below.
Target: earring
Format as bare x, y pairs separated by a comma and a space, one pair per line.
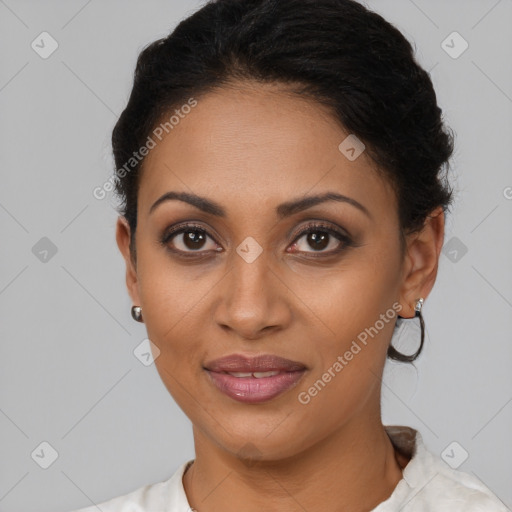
418, 306
417, 309
417, 313
137, 313
393, 353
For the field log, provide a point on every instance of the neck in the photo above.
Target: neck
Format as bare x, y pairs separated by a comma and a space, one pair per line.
354, 469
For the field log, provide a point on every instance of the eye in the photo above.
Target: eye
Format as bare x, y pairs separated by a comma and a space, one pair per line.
188, 238
319, 236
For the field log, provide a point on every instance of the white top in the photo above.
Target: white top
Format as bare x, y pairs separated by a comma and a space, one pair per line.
429, 484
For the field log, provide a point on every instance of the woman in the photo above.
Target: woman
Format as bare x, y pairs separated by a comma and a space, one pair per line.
280, 166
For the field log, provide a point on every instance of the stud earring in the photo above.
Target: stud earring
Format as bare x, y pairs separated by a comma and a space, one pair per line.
137, 313
418, 306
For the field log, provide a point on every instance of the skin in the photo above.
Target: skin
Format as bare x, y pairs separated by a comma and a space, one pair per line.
250, 147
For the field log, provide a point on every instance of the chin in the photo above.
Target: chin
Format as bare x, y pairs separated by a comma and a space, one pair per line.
251, 444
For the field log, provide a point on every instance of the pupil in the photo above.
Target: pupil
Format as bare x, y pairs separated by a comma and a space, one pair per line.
319, 242
194, 238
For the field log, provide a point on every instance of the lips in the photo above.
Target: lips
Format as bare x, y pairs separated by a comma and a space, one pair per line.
236, 363
254, 379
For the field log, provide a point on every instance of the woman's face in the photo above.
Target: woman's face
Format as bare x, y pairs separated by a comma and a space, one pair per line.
252, 284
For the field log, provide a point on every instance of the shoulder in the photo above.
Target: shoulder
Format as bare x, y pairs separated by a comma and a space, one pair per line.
429, 484
165, 496
456, 491
139, 500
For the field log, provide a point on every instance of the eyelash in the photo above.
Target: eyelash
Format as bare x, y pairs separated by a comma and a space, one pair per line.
314, 227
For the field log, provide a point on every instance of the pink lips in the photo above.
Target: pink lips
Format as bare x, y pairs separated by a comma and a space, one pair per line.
254, 389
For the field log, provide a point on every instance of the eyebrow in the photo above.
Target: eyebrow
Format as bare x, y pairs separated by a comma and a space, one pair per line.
282, 211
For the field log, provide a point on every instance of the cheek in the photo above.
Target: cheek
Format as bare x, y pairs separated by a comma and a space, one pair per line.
347, 299
352, 309
349, 361
168, 290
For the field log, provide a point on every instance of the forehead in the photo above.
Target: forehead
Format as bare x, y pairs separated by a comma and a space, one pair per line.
259, 142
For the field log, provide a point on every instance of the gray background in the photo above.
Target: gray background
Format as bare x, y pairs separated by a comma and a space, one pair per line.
68, 374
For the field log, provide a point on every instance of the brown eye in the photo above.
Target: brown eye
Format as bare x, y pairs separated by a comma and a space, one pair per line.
188, 239
320, 237
193, 239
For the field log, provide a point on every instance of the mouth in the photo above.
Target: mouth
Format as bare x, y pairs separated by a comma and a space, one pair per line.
255, 387
238, 363
254, 380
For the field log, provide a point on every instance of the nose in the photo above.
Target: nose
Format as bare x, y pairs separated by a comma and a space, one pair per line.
253, 300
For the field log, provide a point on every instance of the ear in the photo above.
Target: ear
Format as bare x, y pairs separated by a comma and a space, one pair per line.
123, 238
421, 262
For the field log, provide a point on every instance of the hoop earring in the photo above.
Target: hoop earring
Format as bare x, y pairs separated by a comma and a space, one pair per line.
393, 353
417, 313
137, 314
